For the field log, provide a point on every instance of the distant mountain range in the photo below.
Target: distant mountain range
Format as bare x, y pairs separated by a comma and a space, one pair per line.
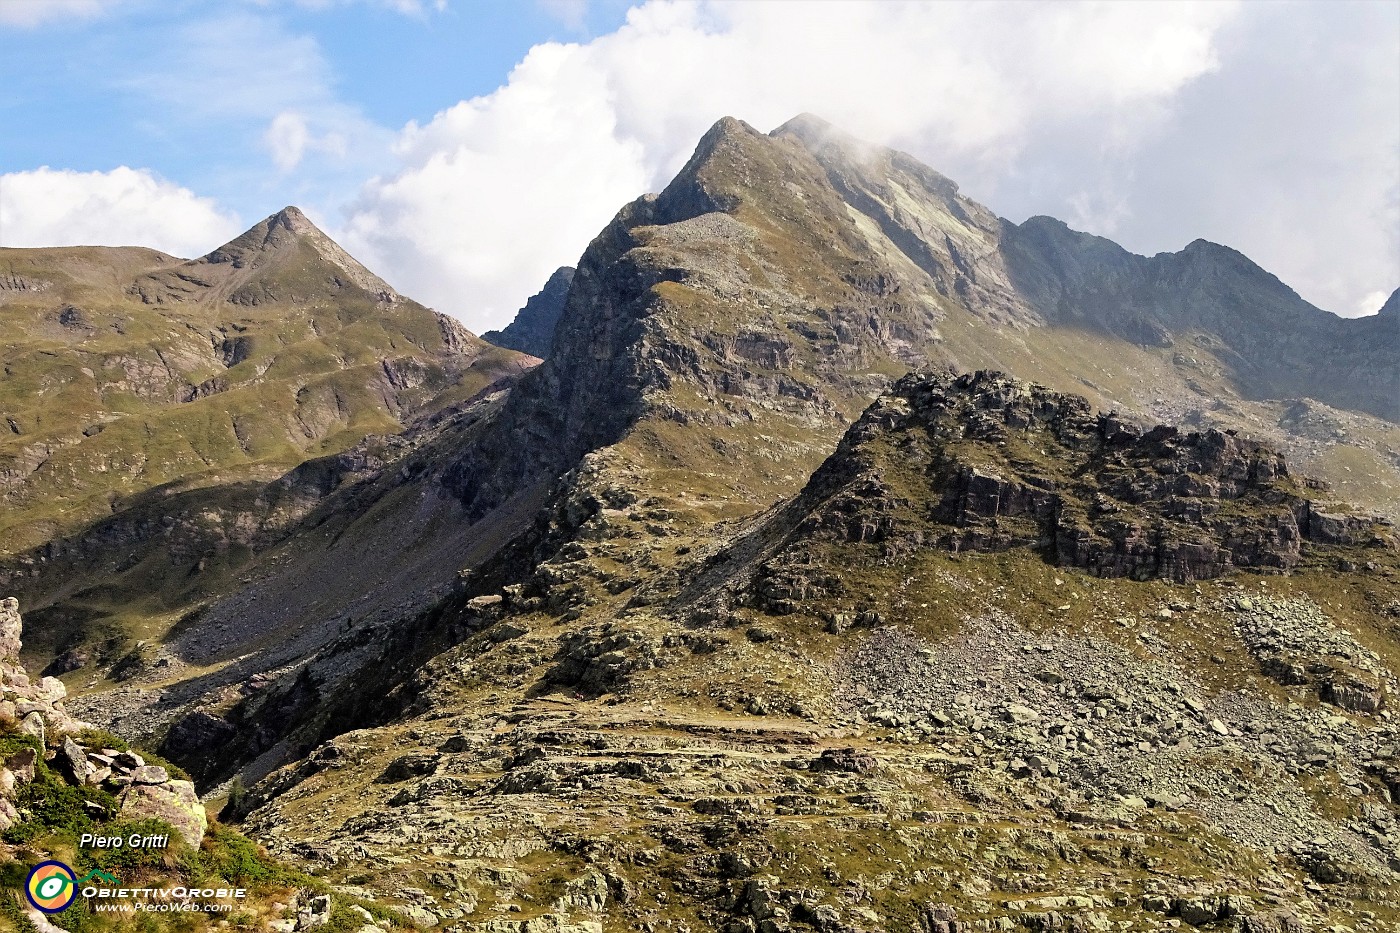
718, 616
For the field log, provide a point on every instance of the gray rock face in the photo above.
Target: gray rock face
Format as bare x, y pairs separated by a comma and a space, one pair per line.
10, 629
1391, 308
532, 331
198, 733
1281, 345
175, 802
1004, 464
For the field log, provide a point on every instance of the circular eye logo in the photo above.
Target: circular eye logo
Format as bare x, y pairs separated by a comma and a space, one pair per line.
51, 887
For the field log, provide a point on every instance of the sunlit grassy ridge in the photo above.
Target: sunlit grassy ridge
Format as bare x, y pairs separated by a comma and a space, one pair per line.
115, 381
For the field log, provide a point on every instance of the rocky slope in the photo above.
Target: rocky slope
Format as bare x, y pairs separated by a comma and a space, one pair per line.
64, 784
715, 342
642, 694
168, 420
582, 651
909, 697
532, 331
1014, 465
1264, 335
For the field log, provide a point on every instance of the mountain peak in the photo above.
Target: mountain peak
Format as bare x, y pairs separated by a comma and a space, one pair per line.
287, 232
292, 218
1391, 308
283, 257
275, 232
532, 331
806, 123
817, 134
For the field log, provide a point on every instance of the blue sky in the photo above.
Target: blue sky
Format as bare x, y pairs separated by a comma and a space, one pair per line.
464, 150
187, 88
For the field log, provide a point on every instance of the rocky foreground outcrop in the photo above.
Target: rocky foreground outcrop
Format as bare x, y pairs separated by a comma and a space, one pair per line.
37, 706
142, 791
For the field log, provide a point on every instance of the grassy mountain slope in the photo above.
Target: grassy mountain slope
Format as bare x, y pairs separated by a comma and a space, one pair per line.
127, 370
165, 419
715, 342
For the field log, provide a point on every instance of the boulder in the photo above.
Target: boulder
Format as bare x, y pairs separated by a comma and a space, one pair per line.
1277, 921
76, 761
1355, 690
849, 760
71, 660
315, 912
50, 690
420, 917
1198, 911
9, 816
175, 802
21, 764
33, 724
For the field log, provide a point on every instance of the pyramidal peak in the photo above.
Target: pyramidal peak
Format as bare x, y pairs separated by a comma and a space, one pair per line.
283, 256
818, 134
1391, 308
280, 233
277, 232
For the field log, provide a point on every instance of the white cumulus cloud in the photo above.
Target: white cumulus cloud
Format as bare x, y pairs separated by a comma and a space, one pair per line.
30, 13
123, 207
289, 137
495, 192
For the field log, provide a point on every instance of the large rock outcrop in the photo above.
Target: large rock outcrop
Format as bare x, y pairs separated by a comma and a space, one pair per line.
984, 462
37, 705
143, 791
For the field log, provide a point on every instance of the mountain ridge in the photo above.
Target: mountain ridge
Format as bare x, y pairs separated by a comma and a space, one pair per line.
718, 613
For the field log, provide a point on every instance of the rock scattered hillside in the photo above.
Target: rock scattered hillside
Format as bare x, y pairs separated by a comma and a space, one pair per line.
715, 342
901, 699
64, 784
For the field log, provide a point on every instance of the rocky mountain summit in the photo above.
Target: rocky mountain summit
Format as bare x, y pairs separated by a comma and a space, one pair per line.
900, 700
1391, 308
532, 331
283, 258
